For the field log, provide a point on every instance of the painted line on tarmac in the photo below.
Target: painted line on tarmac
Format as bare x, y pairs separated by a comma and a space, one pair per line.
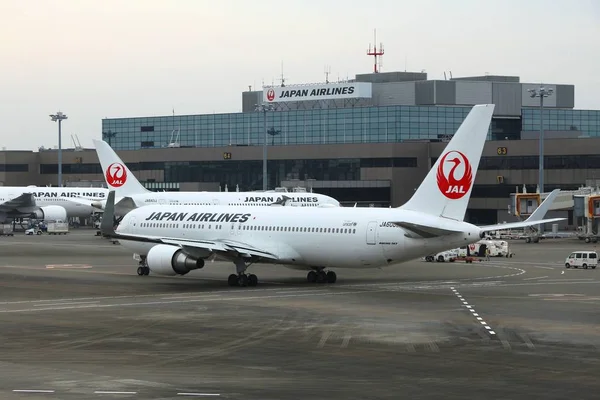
112, 392
32, 391
535, 277
472, 310
68, 266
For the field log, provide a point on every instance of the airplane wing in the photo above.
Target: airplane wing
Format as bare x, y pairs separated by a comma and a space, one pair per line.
226, 248
24, 203
543, 208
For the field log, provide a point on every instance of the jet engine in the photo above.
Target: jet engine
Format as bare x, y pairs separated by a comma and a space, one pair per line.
163, 259
50, 213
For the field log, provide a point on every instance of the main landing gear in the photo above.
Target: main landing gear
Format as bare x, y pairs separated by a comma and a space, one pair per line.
241, 278
320, 276
143, 269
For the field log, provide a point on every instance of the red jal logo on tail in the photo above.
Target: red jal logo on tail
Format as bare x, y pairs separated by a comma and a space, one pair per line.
116, 175
449, 185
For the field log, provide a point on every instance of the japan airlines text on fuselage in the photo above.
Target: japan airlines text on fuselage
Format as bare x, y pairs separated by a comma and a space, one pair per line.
234, 199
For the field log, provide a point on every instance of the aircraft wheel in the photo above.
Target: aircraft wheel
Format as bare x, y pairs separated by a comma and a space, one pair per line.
331, 277
243, 280
232, 280
140, 271
311, 277
321, 277
252, 280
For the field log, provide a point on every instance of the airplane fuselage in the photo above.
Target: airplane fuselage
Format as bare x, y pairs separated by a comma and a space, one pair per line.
301, 237
231, 199
55, 196
241, 199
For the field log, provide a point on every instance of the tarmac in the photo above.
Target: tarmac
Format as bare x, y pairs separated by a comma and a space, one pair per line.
79, 323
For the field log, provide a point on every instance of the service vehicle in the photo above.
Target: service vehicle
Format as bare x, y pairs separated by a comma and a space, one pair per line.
583, 259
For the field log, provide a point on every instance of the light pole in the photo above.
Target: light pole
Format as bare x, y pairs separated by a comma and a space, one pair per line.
264, 108
59, 116
541, 93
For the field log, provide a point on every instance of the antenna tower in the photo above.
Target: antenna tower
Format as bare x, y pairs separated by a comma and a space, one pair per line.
282, 79
374, 52
327, 72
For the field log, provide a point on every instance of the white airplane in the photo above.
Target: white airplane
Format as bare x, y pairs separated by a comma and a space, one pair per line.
132, 194
47, 203
176, 240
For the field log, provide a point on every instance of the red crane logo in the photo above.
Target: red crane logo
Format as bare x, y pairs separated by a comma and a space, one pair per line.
449, 185
116, 175
270, 95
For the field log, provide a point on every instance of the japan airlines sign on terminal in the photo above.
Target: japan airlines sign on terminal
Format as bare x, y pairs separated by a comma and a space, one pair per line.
330, 91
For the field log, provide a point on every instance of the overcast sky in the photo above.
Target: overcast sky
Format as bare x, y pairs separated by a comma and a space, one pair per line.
126, 58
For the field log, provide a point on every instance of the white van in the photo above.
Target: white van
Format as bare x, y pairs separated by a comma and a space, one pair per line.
582, 259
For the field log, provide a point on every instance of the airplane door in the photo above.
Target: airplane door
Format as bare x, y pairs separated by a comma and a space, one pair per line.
162, 201
215, 202
371, 232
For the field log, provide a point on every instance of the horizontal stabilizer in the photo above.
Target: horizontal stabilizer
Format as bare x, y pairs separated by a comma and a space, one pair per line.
424, 231
517, 225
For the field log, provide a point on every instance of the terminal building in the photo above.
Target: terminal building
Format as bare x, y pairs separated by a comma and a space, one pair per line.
369, 140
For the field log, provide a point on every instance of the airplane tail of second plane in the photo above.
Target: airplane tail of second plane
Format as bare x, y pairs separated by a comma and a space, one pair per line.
446, 190
116, 174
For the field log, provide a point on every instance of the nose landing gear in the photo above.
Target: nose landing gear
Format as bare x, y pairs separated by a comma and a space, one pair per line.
320, 276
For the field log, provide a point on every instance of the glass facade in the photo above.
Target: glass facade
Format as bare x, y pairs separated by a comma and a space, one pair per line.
585, 121
320, 126
248, 174
330, 126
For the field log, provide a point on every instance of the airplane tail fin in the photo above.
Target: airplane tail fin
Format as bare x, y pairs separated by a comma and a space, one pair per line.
116, 174
446, 190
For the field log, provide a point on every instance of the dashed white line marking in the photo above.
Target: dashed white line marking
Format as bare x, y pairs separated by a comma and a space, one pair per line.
197, 394
32, 391
66, 304
112, 392
470, 308
535, 277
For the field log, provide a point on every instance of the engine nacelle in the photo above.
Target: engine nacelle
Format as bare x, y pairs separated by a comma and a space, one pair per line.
50, 213
163, 259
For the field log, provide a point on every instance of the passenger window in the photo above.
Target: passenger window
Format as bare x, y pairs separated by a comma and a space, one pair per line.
593, 255
578, 255
584, 255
